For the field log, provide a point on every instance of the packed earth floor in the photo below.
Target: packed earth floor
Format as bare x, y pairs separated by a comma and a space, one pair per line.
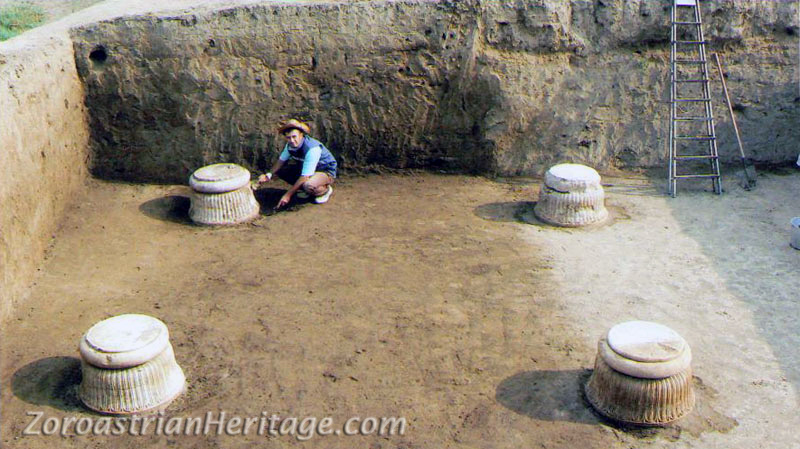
433, 298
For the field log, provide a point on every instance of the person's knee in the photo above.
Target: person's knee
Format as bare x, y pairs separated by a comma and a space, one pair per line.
314, 189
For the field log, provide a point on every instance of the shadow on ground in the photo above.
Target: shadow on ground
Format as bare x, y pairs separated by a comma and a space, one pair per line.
522, 212
172, 208
511, 211
548, 395
175, 208
268, 198
552, 395
52, 381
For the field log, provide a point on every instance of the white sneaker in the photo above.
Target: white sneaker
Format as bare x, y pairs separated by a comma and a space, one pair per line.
302, 194
324, 198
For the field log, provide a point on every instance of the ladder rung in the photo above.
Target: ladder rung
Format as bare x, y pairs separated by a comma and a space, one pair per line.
678, 100
696, 156
690, 61
697, 176
695, 137
686, 23
690, 42
702, 80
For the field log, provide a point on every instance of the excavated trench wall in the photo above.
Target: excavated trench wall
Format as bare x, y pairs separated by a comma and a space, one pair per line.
506, 87
44, 141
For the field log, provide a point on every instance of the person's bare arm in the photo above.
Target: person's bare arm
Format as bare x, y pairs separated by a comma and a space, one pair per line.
275, 167
288, 195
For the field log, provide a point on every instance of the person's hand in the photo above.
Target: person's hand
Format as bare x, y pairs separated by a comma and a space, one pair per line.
267, 177
284, 200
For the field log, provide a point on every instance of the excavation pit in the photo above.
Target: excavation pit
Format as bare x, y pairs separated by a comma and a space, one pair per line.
421, 309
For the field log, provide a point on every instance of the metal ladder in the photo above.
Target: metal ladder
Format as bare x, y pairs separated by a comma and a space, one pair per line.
695, 144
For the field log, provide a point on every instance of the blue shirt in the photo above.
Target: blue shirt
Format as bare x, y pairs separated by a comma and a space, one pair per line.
314, 156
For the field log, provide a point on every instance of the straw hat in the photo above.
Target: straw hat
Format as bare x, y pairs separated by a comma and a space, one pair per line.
296, 124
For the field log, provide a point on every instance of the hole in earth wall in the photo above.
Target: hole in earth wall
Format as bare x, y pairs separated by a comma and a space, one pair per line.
98, 55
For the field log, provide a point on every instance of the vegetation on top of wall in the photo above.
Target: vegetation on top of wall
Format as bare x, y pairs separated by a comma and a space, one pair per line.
16, 18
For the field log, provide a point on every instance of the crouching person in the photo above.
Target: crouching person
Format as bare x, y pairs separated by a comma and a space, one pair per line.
304, 163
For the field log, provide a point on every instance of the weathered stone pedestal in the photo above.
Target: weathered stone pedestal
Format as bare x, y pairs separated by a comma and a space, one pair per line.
642, 375
571, 196
128, 366
221, 195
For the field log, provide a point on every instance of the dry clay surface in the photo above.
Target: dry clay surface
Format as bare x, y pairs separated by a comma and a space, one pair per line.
426, 297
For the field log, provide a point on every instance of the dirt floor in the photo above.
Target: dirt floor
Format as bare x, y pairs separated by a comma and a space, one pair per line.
425, 297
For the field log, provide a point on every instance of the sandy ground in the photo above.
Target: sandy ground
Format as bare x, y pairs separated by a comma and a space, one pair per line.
427, 297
